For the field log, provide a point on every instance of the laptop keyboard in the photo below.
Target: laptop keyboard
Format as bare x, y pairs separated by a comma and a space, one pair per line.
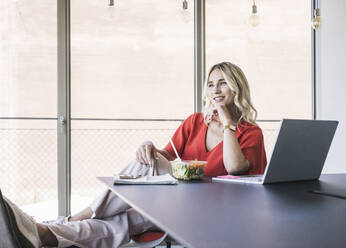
251, 178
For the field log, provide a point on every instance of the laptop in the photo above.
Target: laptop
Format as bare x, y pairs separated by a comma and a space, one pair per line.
300, 150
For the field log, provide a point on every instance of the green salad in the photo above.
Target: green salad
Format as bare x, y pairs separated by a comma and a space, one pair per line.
188, 169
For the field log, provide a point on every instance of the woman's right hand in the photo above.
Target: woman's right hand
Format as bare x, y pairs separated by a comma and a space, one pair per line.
146, 152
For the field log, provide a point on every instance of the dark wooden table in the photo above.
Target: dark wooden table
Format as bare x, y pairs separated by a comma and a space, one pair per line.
209, 214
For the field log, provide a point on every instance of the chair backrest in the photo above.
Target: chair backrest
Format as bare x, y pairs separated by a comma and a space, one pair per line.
148, 239
148, 236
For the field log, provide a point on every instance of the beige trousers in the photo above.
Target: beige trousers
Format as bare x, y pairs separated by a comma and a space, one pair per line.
113, 221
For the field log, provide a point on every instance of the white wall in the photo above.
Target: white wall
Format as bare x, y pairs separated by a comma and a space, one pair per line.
331, 78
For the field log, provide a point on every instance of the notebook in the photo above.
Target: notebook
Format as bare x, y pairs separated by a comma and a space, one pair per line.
162, 179
300, 150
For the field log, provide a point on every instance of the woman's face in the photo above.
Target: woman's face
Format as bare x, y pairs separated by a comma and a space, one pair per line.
218, 90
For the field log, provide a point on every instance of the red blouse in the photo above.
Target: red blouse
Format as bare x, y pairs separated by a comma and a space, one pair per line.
190, 141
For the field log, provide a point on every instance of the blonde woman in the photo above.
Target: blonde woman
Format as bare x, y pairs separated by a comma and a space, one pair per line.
225, 135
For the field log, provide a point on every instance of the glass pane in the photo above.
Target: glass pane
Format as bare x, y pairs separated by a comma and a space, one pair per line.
134, 61
28, 58
28, 165
275, 55
28, 147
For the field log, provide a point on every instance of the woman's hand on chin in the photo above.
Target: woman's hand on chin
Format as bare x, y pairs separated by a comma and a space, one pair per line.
223, 114
212, 115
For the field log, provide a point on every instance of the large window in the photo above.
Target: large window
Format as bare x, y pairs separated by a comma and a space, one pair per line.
28, 103
133, 60
132, 79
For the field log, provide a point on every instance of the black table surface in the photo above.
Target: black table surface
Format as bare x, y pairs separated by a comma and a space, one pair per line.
212, 214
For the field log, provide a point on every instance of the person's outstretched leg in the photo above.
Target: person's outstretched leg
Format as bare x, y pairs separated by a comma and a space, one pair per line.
106, 205
103, 233
93, 233
109, 232
99, 233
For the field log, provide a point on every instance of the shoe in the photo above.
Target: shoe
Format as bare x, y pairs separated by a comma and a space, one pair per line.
24, 226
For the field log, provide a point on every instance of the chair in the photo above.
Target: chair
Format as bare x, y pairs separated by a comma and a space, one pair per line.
150, 239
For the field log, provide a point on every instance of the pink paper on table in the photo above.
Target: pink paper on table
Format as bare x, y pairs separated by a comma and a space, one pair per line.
228, 177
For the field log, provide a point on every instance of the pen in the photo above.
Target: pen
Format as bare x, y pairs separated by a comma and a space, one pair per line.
327, 194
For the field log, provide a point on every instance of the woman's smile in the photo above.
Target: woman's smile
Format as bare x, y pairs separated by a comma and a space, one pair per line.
218, 99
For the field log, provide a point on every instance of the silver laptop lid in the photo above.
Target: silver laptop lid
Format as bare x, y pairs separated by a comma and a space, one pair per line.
300, 150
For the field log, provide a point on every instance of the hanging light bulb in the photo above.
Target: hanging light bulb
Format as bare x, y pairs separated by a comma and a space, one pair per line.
185, 14
254, 18
317, 20
185, 5
110, 2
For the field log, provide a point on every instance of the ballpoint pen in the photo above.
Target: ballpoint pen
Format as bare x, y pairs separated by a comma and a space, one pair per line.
327, 194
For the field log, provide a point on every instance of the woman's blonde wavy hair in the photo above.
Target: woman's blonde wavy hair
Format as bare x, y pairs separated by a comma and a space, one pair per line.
237, 82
